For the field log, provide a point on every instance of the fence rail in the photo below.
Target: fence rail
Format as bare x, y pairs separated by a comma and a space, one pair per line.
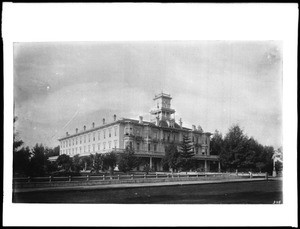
134, 176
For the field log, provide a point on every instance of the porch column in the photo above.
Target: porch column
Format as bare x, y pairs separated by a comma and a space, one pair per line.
205, 165
150, 162
219, 166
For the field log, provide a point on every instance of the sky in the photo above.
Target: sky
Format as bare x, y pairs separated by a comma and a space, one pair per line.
61, 86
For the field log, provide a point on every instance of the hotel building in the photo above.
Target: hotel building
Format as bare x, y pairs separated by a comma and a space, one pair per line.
148, 138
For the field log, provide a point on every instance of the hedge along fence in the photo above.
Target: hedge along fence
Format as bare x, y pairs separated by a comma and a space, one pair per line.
87, 180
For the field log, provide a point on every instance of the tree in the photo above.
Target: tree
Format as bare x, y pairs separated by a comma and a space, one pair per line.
51, 166
17, 143
21, 156
38, 162
186, 152
21, 160
97, 162
65, 162
110, 161
128, 160
235, 142
52, 152
216, 143
86, 162
76, 164
279, 162
171, 160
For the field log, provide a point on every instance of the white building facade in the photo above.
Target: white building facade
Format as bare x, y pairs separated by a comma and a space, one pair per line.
148, 138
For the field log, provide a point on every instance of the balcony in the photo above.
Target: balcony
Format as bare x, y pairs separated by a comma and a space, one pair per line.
149, 153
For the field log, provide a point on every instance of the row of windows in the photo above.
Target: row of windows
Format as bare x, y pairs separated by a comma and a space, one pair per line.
197, 150
149, 146
88, 137
197, 140
90, 148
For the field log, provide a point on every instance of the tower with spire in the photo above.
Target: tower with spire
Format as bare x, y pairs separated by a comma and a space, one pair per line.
162, 110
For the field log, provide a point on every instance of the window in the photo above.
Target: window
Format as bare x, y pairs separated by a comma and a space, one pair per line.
79, 149
115, 131
80, 139
99, 135
94, 136
89, 137
115, 144
76, 141
154, 147
99, 146
93, 147
84, 149
109, 132
89, 148
84, 138
104, 134
137, 146
104, 145
109, 145
148, 147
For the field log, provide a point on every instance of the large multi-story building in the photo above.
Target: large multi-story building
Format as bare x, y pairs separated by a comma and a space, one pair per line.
148, 138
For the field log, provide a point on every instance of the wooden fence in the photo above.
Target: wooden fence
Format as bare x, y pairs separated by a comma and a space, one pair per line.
96, 177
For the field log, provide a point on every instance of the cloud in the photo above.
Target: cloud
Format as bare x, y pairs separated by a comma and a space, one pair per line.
213, 84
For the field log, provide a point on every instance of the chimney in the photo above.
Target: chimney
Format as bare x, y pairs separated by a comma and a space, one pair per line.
141, 120
169, 123
115, 117
180, 123
157, 121
199, 128
67, 134
93, 125
84, 128
103, 120
76, 130
193, 127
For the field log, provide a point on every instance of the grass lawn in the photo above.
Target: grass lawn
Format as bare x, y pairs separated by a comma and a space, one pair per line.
255, 192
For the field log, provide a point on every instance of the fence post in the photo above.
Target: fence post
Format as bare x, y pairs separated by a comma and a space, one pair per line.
145, 176
266, 176
155, 175
167, 175
250, 175
70, 178
132, 176
49, 179
28, 179
87, 177
103, 177
197, 175
118, 177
